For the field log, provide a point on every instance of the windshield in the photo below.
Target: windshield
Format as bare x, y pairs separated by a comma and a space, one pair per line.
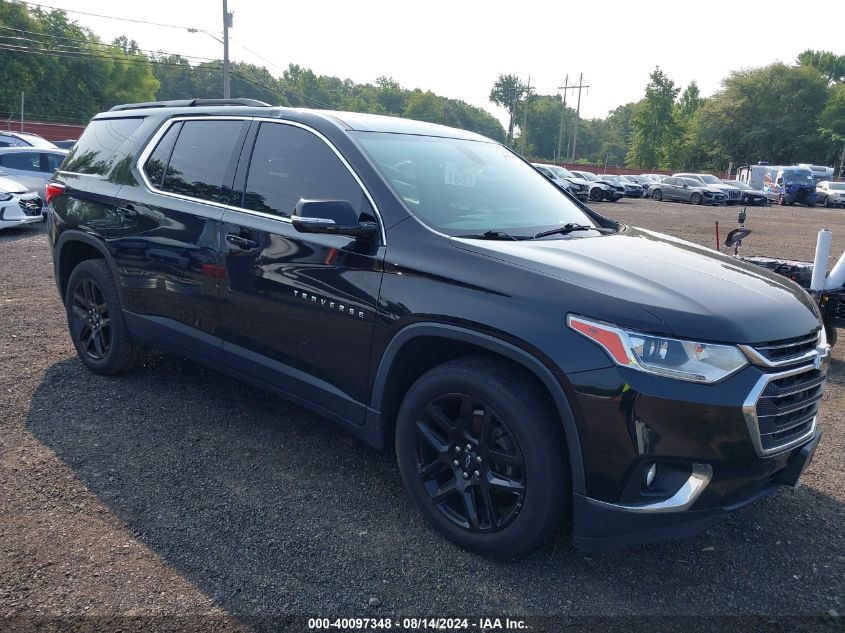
739, 185
838, 186
560, 172
463, 187
625, 180
692, 182
801, 177
710, 180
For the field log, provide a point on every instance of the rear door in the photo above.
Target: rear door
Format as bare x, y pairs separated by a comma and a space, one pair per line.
166, 234
297, 310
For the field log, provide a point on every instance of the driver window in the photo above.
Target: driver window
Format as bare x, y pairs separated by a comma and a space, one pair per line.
288, 164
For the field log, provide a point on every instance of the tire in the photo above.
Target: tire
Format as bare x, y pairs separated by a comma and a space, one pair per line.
596, 194
657, 195
696, 198
782, 200
95, 320
826, 202
451, 405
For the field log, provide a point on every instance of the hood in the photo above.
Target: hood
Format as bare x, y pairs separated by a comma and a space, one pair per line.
694, 291
579, 181
724, 187
710, 188
11, 186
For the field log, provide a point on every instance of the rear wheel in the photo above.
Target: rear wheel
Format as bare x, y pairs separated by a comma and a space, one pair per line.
657, 195
482, 456
696, 198
95, 320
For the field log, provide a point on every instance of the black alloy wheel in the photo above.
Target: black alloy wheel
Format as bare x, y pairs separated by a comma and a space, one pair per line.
95, 320
596, 194
657, 195
481, 452
90, 319
469, 463
696, 198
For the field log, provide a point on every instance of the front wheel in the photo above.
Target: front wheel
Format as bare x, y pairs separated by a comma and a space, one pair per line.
596, 194
657, 195
696, 198
826, 202
482, 456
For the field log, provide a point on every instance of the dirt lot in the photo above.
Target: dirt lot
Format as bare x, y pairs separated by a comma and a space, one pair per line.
152, 494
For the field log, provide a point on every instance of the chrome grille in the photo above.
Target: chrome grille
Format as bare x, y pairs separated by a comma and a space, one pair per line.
787, 408
733, 193
784, 351
781, 410
31, 206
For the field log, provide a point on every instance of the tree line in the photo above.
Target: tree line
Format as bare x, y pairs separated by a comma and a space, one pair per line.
779, 113
68, 74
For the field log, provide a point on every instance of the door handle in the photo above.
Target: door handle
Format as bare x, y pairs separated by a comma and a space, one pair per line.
243, 243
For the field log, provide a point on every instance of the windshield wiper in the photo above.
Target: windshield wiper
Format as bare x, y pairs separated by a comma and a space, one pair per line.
493, 235
566, 229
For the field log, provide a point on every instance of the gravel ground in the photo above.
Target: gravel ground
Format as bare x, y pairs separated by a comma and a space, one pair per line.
176, 491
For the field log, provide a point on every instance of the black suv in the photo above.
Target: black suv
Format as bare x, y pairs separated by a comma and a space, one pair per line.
533, 362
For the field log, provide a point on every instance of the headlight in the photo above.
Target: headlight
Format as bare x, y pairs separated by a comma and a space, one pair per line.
5, 197
673, 358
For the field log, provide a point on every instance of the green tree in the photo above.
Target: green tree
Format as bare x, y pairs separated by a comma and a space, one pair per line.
653, 123
828, 64
507, 93
769, 113
425, 106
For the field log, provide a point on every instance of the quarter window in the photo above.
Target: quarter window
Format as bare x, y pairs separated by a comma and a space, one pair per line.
289, 164
53, 162
200, 157
157, 162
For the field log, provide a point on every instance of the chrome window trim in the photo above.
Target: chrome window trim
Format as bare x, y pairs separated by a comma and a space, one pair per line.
749, 411
154, 140
682, 500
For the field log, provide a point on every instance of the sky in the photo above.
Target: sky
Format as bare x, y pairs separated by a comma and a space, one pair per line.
458, 48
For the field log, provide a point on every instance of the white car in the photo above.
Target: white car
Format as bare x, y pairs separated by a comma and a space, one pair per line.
23, 139
31, 166
831, 194
17, 205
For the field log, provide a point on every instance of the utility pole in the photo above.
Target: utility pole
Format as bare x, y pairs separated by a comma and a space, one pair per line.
577, 115
525, 115
565, 89
21, 110
227, 24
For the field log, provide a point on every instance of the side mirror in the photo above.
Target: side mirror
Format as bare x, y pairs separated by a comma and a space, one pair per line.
737, 235
685, 186
334, 217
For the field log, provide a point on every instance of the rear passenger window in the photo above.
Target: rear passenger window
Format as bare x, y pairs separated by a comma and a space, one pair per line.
25, 161
95, 151
288, 164
199, 159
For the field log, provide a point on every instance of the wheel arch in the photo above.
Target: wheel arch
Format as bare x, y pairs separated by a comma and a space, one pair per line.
74, 247
459, 336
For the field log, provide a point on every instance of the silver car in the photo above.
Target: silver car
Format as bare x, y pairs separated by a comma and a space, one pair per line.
17, 205
31, 166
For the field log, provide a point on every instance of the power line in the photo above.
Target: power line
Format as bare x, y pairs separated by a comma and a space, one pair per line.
91, 43
108, 17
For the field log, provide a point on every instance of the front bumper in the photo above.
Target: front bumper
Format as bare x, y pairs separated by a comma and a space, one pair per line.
628, 421
603, 526
11, 214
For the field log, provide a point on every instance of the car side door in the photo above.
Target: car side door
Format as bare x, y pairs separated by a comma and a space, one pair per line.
166, 233
297, 309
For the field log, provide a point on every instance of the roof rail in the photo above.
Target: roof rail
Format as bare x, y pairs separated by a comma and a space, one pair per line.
191, 103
